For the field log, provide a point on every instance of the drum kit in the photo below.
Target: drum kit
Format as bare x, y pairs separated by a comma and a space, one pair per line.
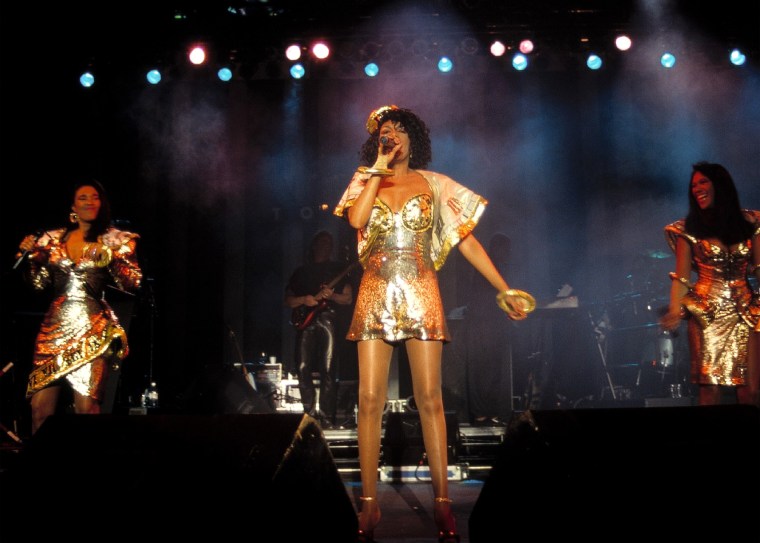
640, 359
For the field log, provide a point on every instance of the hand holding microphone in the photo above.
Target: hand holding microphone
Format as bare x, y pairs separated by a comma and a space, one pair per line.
388, 143
26, 245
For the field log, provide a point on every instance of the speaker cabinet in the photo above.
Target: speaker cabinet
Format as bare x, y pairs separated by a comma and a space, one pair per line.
651, 474
165, 478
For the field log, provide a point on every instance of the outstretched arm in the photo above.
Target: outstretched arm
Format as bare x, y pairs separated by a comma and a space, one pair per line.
476, 255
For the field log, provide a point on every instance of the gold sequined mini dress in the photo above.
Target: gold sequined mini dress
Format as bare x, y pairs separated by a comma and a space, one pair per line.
401, 251
722, 307
79, 325
398, 296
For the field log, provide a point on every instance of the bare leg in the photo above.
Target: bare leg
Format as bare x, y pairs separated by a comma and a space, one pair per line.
44, 403
374, 363
425, 364
86, 405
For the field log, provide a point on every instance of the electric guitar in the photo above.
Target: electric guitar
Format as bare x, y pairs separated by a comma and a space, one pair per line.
303, 315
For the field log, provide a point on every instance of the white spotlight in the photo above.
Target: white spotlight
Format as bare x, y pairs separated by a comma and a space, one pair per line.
320, 50
293, 52
197, 55
623, 43
498, 48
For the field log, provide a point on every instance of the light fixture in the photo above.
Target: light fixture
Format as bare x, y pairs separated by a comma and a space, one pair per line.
87, 80
197, 55
737, 58
153, 76
293, 52
526, 46
445, 65
297, 71
623, 42
594, 62
498, 48
668, 60
320, 50
469, 46
519, 62
224, 74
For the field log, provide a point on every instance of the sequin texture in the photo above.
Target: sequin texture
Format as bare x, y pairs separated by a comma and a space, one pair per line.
723, 308
399, 296
79, 327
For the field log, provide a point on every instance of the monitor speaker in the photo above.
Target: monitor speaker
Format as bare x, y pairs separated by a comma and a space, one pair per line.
184, 478
624, 474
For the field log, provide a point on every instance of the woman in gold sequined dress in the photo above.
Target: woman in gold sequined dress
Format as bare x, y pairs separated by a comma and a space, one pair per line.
719, 241
407, 220
80, 335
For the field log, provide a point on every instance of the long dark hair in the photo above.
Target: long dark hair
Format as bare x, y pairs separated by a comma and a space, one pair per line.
103, 221
419, 138
725, 220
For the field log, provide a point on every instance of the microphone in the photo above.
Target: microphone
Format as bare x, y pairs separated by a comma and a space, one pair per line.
37, 236
387, 142
8, 366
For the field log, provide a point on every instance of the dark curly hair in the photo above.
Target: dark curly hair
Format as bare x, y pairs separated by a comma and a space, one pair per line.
725, 220
419, 137
103, 220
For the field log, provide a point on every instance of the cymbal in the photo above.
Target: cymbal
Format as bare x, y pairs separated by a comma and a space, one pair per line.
658, 255
637, 327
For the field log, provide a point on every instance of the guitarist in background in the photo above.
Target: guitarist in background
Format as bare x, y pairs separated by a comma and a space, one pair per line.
313, 292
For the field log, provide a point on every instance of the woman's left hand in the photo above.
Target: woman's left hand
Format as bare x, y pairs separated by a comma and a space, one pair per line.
671, 320
513, 305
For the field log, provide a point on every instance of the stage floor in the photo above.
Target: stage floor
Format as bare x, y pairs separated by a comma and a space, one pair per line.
407, 508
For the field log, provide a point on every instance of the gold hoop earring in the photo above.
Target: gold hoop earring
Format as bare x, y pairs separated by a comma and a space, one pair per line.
73, 218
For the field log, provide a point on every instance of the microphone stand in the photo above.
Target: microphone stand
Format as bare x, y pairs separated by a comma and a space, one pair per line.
151, 326
248, 377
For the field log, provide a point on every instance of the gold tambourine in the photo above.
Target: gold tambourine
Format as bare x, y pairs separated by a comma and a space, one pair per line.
527, 302
375, 116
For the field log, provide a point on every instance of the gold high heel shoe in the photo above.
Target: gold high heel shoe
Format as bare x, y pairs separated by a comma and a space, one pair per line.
447, 530
367, 535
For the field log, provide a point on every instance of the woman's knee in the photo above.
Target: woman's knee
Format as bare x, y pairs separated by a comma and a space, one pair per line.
371, 401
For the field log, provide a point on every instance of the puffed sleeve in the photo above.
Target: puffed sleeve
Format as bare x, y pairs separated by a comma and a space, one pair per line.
676, 230
352, 192
124, 266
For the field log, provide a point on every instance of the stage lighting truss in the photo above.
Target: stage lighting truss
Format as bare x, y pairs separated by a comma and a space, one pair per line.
420, 54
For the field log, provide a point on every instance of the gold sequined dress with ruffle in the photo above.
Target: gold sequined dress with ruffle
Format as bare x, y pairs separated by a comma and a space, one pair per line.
79, 325
722, 307
401, 251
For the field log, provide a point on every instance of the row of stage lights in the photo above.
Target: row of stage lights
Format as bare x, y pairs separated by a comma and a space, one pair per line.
321, 52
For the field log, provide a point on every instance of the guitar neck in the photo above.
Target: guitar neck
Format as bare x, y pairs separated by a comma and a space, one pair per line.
342, 274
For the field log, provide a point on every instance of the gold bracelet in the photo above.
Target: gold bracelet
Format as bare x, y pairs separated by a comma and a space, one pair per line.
382, 172
674, 277
530, 301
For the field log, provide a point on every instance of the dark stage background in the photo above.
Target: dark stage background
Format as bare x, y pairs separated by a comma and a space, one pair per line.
226, 182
